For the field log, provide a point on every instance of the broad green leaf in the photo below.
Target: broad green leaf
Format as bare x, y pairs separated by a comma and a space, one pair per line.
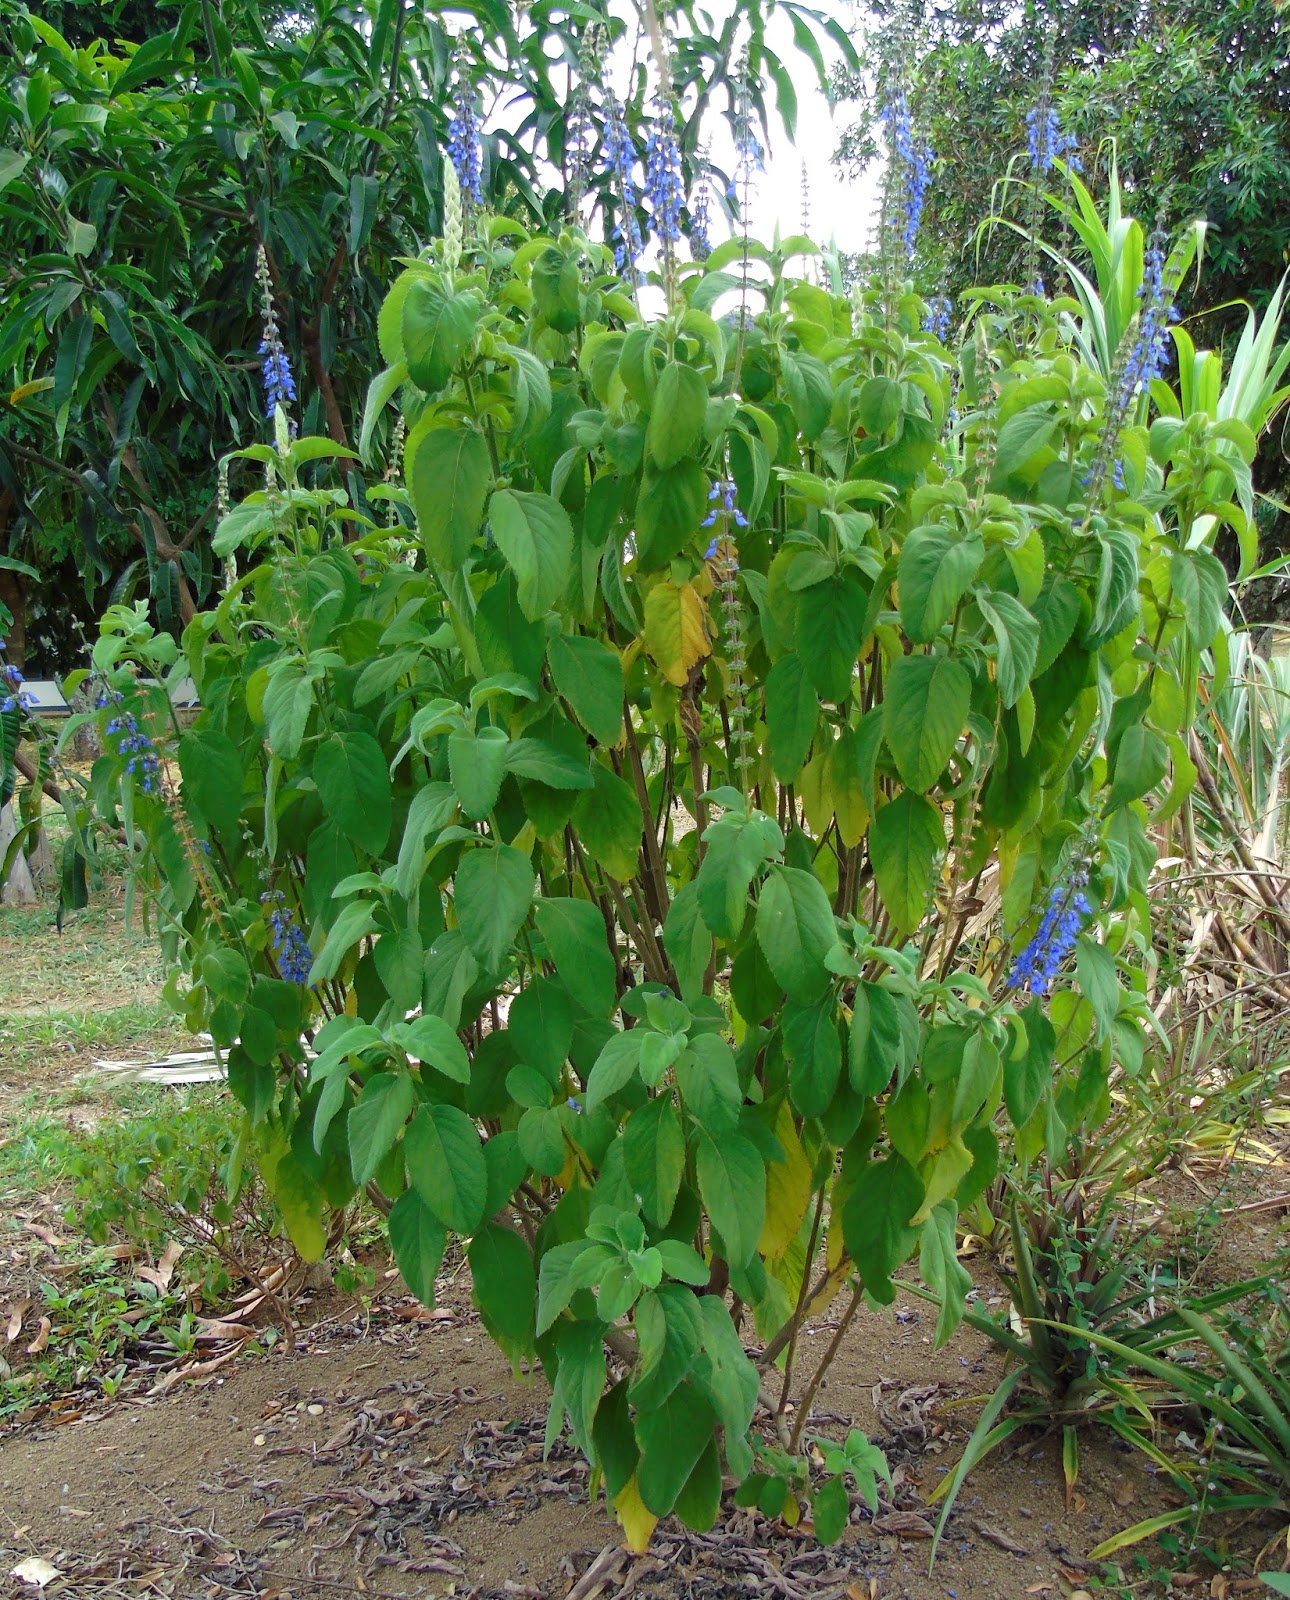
301, 1203
542, 763
654, 1155
670, 1333
935, 569
708, 1079
676, 420
906, 840
432, 807
1021, 438
607, 820
575, 935
492, 894
430, 1040
925, 709
418, 1240
796, 930
615, 1066
541, 1024
737, 847
355, 922
672, 1437
448, 473
814, 1051
354, 786
830, 622
376, 1120
212, 773
876, 1222
535, 535
942, 1271
877, 1040
792, 715
437, 331
672, 505
556, 1283
477, 765
1016, 637
688, 941
288, 702
446, 1166
590, 677
1028, 1069
504, 1287
1141, 761
732, 1182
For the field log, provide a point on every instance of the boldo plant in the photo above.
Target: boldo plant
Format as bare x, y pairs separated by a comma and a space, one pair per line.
702, 826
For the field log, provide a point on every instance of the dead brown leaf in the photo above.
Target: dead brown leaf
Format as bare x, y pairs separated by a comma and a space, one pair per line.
42, 1337
906, 1523
17, 1312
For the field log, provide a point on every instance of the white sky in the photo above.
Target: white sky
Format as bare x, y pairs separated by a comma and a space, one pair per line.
841, 213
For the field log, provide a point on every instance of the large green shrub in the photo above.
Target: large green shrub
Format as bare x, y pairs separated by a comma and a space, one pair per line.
651, 840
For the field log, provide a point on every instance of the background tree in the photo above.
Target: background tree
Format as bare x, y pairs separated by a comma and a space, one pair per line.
142, 171
1189, 100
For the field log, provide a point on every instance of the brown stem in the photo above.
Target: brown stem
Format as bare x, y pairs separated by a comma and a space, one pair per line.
796, 1319
804, 1410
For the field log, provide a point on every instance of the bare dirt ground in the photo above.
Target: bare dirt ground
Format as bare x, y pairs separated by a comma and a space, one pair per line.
392, 1451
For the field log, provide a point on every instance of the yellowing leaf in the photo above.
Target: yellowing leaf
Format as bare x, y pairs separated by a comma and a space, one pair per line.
637, 1519
848, 798
788, 1190
828, 1291
675, 631
816, 792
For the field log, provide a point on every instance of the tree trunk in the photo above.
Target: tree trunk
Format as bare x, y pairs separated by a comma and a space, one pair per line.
18, 889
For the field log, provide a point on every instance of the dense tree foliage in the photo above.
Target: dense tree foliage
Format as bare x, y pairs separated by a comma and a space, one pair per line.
1190, 99
143, 167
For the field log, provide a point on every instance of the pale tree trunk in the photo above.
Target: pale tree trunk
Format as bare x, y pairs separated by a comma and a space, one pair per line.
18, 889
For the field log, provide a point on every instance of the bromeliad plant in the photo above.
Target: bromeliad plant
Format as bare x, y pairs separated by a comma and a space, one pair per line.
592, 876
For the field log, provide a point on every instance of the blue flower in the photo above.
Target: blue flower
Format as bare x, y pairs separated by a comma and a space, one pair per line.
912, 164
1046, 141
465, 148
937, 320
1041, 960
1151, 348
18, 698
701, 212
663, 184
618, 157
142, 760
290, 948
724, 490
279, 385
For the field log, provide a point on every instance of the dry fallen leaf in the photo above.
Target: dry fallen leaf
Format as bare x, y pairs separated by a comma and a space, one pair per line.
35, 1569
17, 1312
41, 1339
